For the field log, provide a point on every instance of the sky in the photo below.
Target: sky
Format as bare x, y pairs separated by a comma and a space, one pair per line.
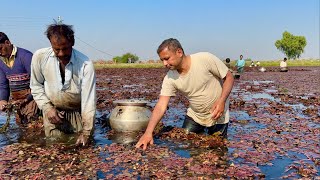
108, 28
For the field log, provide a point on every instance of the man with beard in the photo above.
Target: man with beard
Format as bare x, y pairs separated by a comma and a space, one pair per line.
204, 79
63, 85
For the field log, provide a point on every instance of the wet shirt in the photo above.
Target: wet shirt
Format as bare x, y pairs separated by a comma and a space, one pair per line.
202, 86
78, 92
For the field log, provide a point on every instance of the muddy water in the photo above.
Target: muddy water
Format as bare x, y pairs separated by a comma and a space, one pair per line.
13, 133
266, 131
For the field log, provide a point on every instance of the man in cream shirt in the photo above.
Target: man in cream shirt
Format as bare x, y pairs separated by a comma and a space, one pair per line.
204, 79
63, 85
283, 65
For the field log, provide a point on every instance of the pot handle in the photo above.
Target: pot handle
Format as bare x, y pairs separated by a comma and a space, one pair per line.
120, 111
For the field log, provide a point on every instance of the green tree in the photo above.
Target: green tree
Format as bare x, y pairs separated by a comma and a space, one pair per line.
292, 46
125, 58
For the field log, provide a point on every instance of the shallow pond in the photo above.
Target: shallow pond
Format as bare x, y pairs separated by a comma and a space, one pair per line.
268, 138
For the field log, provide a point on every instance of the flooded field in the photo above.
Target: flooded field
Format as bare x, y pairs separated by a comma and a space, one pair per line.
274, 133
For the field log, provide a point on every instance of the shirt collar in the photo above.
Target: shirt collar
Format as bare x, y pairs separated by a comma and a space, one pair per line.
14, 51
72, 60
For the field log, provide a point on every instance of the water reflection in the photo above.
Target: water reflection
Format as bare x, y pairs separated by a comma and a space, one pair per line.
124, 137
241, 124
12, 134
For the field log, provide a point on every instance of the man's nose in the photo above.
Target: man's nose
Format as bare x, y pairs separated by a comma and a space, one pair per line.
165, 63
60, 53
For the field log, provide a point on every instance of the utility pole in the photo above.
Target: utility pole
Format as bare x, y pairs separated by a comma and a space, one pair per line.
59, 21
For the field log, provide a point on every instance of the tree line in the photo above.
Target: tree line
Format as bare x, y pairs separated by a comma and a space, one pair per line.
292, 46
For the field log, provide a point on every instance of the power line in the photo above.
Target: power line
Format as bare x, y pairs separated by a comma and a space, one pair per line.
59, 21
17, 17
94, 47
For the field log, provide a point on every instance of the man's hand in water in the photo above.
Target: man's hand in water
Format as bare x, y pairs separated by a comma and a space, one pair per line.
145, 139
55, 116
82, 140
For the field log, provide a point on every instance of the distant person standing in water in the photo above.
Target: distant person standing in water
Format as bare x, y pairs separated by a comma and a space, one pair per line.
252, 64
240, 64
63, 84
284, 65
228, 63
15, 81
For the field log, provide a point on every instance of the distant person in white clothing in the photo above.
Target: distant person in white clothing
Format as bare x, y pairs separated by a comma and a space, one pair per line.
284, 65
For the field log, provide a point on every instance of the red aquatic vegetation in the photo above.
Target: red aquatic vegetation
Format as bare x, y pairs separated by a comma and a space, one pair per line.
282, 125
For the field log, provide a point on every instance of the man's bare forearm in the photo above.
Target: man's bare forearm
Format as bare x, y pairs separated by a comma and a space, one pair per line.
227, 86
157, 113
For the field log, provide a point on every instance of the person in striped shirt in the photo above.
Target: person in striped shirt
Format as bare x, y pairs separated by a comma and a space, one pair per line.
15, 73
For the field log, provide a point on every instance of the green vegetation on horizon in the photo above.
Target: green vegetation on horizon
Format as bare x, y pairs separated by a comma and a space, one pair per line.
292, 46
128, 65
309, 62
125, 58
290, 63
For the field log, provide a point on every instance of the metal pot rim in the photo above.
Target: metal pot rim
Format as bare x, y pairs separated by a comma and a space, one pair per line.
130, 102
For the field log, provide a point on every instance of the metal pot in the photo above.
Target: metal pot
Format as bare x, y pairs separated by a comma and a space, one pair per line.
129, 115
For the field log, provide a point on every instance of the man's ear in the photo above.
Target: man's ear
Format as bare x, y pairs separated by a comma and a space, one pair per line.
7, 42
179, 52
72, 42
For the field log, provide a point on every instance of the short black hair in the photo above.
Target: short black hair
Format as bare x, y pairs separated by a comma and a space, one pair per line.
171, 43
3, 37
228, 60
285, 59
60, 30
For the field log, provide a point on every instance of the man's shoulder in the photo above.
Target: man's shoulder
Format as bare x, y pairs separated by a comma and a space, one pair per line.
47, 50
204, 57
81, 57
202, 54
42, 54
23, 51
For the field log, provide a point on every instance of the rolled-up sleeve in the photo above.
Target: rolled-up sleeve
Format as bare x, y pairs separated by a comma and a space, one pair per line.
88, 98
167, 88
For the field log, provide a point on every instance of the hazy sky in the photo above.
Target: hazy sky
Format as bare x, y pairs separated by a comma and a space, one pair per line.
226, 28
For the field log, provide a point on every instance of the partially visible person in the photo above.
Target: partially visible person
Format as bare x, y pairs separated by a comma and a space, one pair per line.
15, 80
240, 64
262, 69
228, 63
63, 84
257, 64
252, 64
284, 65
204, 79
